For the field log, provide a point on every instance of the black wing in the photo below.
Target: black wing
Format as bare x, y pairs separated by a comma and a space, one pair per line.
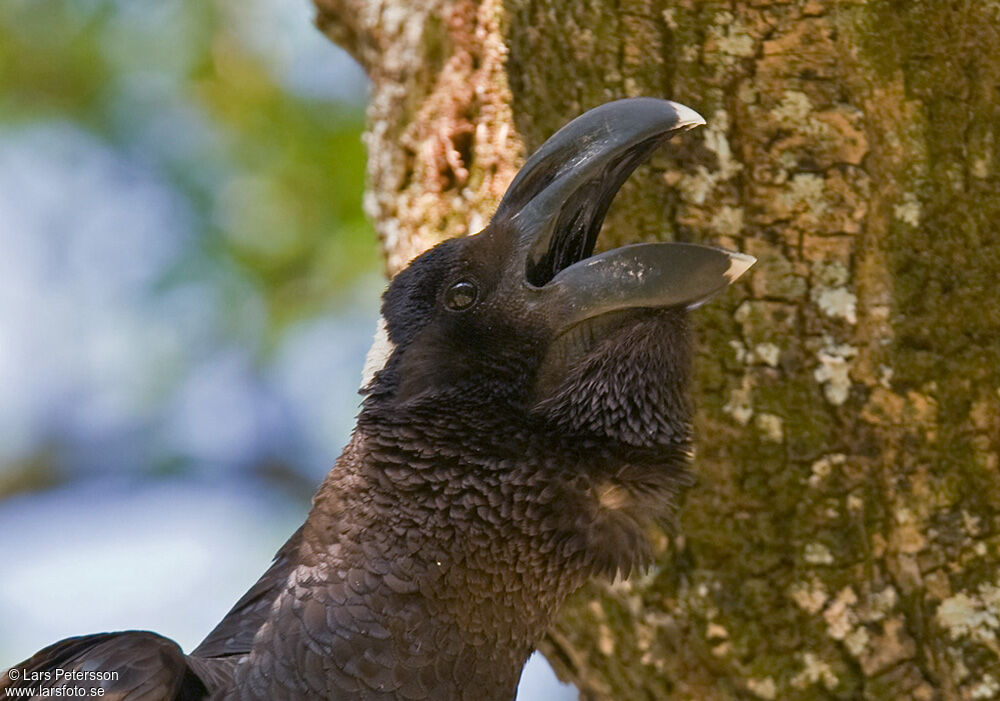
128, 666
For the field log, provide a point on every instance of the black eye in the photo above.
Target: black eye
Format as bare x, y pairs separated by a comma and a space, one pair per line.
461, 295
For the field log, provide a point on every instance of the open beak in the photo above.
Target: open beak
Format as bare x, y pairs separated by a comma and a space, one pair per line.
559, 199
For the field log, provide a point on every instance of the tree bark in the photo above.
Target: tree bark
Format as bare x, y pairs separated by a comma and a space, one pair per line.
843, 539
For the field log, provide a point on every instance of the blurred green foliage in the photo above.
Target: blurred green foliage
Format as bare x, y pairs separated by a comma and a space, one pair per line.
275, 178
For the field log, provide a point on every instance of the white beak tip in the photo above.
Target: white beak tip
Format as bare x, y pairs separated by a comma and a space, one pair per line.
739, 263
687, 118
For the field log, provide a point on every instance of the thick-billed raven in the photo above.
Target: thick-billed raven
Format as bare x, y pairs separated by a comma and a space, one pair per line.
525, 419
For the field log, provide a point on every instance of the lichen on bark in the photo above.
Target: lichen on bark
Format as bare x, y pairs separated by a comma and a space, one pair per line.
439, 138
843, 538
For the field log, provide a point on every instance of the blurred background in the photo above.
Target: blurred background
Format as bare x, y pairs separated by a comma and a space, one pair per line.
187, 291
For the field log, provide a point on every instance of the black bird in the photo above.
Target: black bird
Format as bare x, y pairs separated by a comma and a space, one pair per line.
524, 423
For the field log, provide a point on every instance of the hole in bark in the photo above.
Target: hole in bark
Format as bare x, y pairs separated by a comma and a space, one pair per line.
462, 142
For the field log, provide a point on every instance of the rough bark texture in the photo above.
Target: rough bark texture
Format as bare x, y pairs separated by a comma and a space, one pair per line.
843, 540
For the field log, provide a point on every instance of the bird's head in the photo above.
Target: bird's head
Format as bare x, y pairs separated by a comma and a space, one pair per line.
522, 319
516, 359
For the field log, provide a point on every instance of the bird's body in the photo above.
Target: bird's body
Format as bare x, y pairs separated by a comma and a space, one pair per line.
527, 423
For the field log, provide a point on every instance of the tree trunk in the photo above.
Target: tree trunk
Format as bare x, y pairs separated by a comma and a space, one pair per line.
843, 539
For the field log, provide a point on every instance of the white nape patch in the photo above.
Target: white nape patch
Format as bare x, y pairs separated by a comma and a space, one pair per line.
739, 263
378, 354
686, 117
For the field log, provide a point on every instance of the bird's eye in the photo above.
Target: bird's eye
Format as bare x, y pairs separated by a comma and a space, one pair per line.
461, 295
